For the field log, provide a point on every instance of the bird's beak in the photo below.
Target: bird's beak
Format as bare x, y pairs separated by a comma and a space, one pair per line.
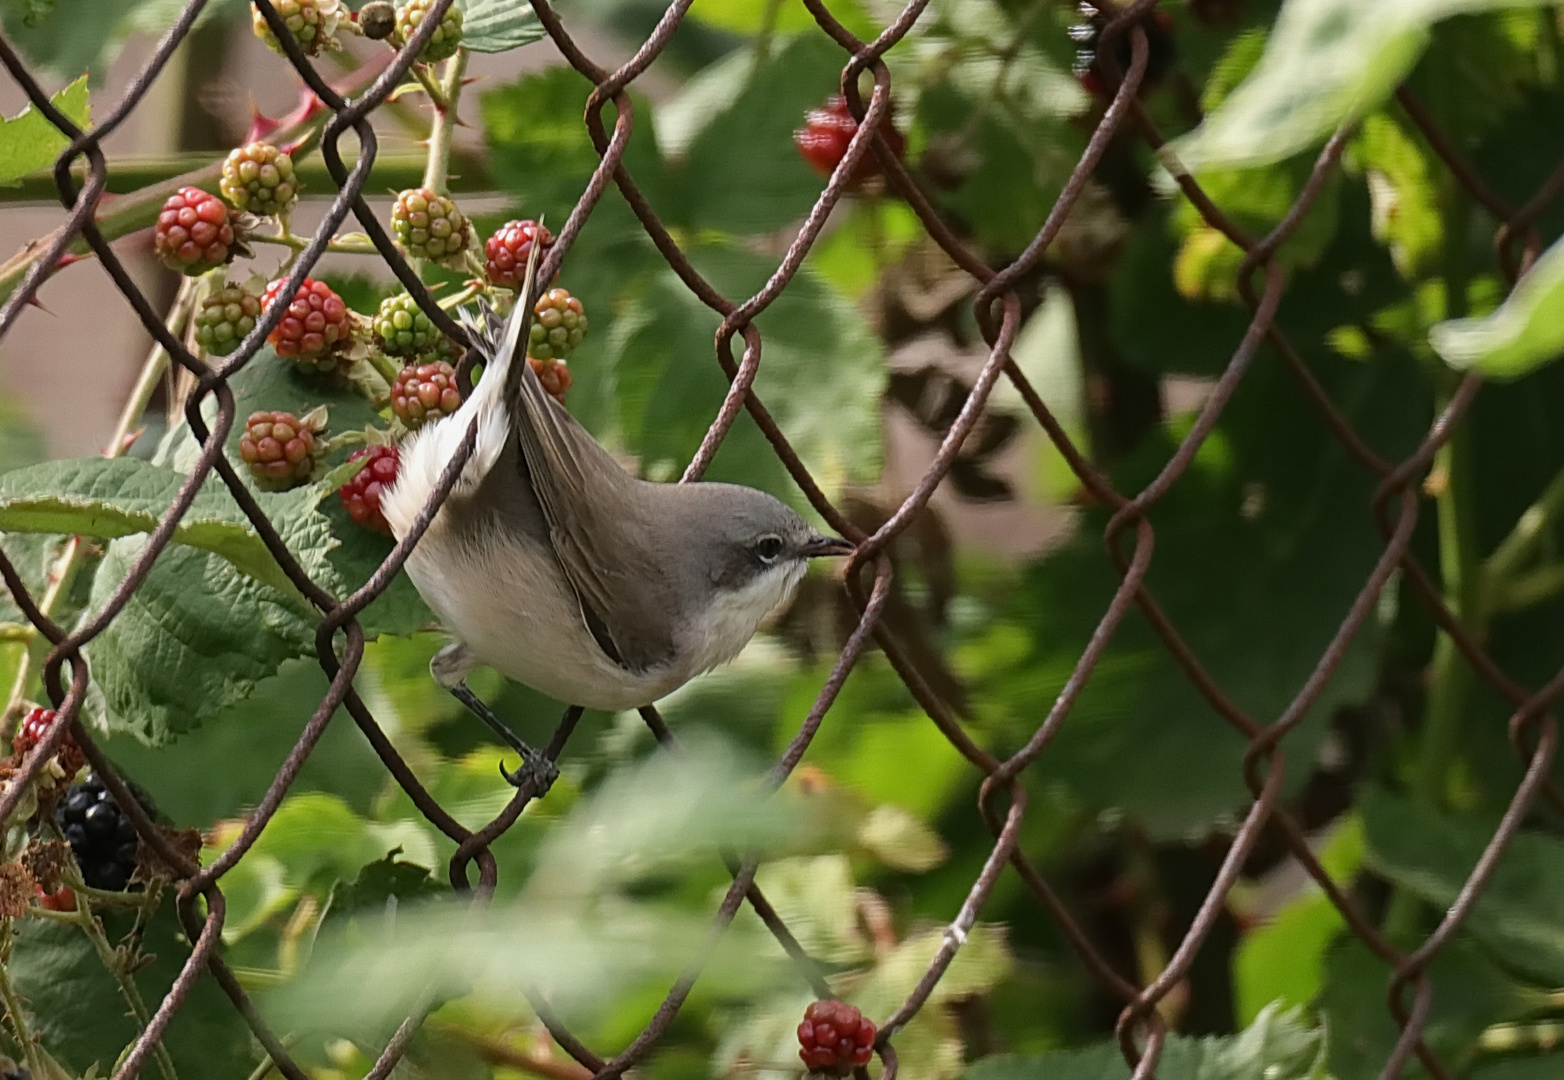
821, 546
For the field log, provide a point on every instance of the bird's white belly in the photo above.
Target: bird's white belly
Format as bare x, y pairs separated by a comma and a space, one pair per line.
521, 620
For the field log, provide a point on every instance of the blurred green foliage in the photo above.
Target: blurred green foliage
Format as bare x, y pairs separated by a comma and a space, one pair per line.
341, 917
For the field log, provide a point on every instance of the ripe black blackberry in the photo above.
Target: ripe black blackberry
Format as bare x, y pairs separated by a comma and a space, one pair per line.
100, 834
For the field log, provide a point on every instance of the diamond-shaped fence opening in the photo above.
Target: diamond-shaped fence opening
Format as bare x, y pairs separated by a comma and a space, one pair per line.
1261, 280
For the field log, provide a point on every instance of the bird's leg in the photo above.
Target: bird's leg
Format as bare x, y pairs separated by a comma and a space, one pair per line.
449, 668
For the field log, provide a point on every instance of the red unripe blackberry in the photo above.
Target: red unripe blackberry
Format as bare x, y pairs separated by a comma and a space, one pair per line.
509, 248
313, 24
225, 317
361, 495
826, 132
834, 1037
427, 225
259, 178
314, 330
554, 376
62, 899
445, 41
425, 392
1089, 72
279, 448
193, 233
35, 728
560, 325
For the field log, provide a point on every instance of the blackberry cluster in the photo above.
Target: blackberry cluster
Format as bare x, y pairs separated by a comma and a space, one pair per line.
835, 1037
193, 233
425, 392
427, 225
35, 728
224, 318
445, 41
824, 137
402, 328
361, 495
560, 325
259, 178
279, 450
100, 834
313, 24
508, 250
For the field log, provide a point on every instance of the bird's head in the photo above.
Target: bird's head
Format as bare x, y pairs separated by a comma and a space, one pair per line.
749, 551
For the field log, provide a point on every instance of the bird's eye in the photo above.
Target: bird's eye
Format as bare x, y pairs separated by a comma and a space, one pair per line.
768, 548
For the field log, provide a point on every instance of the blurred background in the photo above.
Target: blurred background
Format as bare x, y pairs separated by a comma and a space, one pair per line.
1397, 773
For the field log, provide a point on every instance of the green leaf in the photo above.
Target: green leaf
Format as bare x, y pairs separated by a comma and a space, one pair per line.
115, 497
742, 174
339, 555
381, 882
224, 767
29, 142
77, 1009
496, 26
750, 16
816, 348
1544, 1067
1277, 1046
1326, 62
1519, 915
196, 637
1526, 332
1470, 993
1283, 960
1401, 178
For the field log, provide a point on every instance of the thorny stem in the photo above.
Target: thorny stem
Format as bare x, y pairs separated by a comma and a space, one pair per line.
13, 1005
63, 573
127, 984
437, 172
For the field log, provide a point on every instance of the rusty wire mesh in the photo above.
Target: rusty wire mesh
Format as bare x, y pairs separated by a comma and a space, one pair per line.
1128, 538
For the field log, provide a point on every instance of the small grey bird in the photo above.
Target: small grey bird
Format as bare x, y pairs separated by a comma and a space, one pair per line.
551, 564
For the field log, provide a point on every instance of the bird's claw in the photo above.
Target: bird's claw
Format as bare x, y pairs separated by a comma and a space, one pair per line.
535, 769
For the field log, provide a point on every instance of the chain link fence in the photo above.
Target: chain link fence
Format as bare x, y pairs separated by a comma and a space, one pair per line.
1129, 537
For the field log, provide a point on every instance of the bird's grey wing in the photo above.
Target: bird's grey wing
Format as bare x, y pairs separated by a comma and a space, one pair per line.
594, 521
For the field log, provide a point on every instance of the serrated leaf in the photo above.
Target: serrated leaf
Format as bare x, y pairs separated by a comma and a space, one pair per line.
1470, 993
1277, 1046
29, 142
338, 554
115, 497
1526, 332
1519, 915
1326, 62
196, 637
379, 884
496, 26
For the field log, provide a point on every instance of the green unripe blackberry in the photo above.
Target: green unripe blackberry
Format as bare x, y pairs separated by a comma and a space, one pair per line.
429, 226
559, 327
259, 178
445, 41
225, 317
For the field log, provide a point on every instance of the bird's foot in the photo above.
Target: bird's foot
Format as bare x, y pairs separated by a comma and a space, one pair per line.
536, 770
